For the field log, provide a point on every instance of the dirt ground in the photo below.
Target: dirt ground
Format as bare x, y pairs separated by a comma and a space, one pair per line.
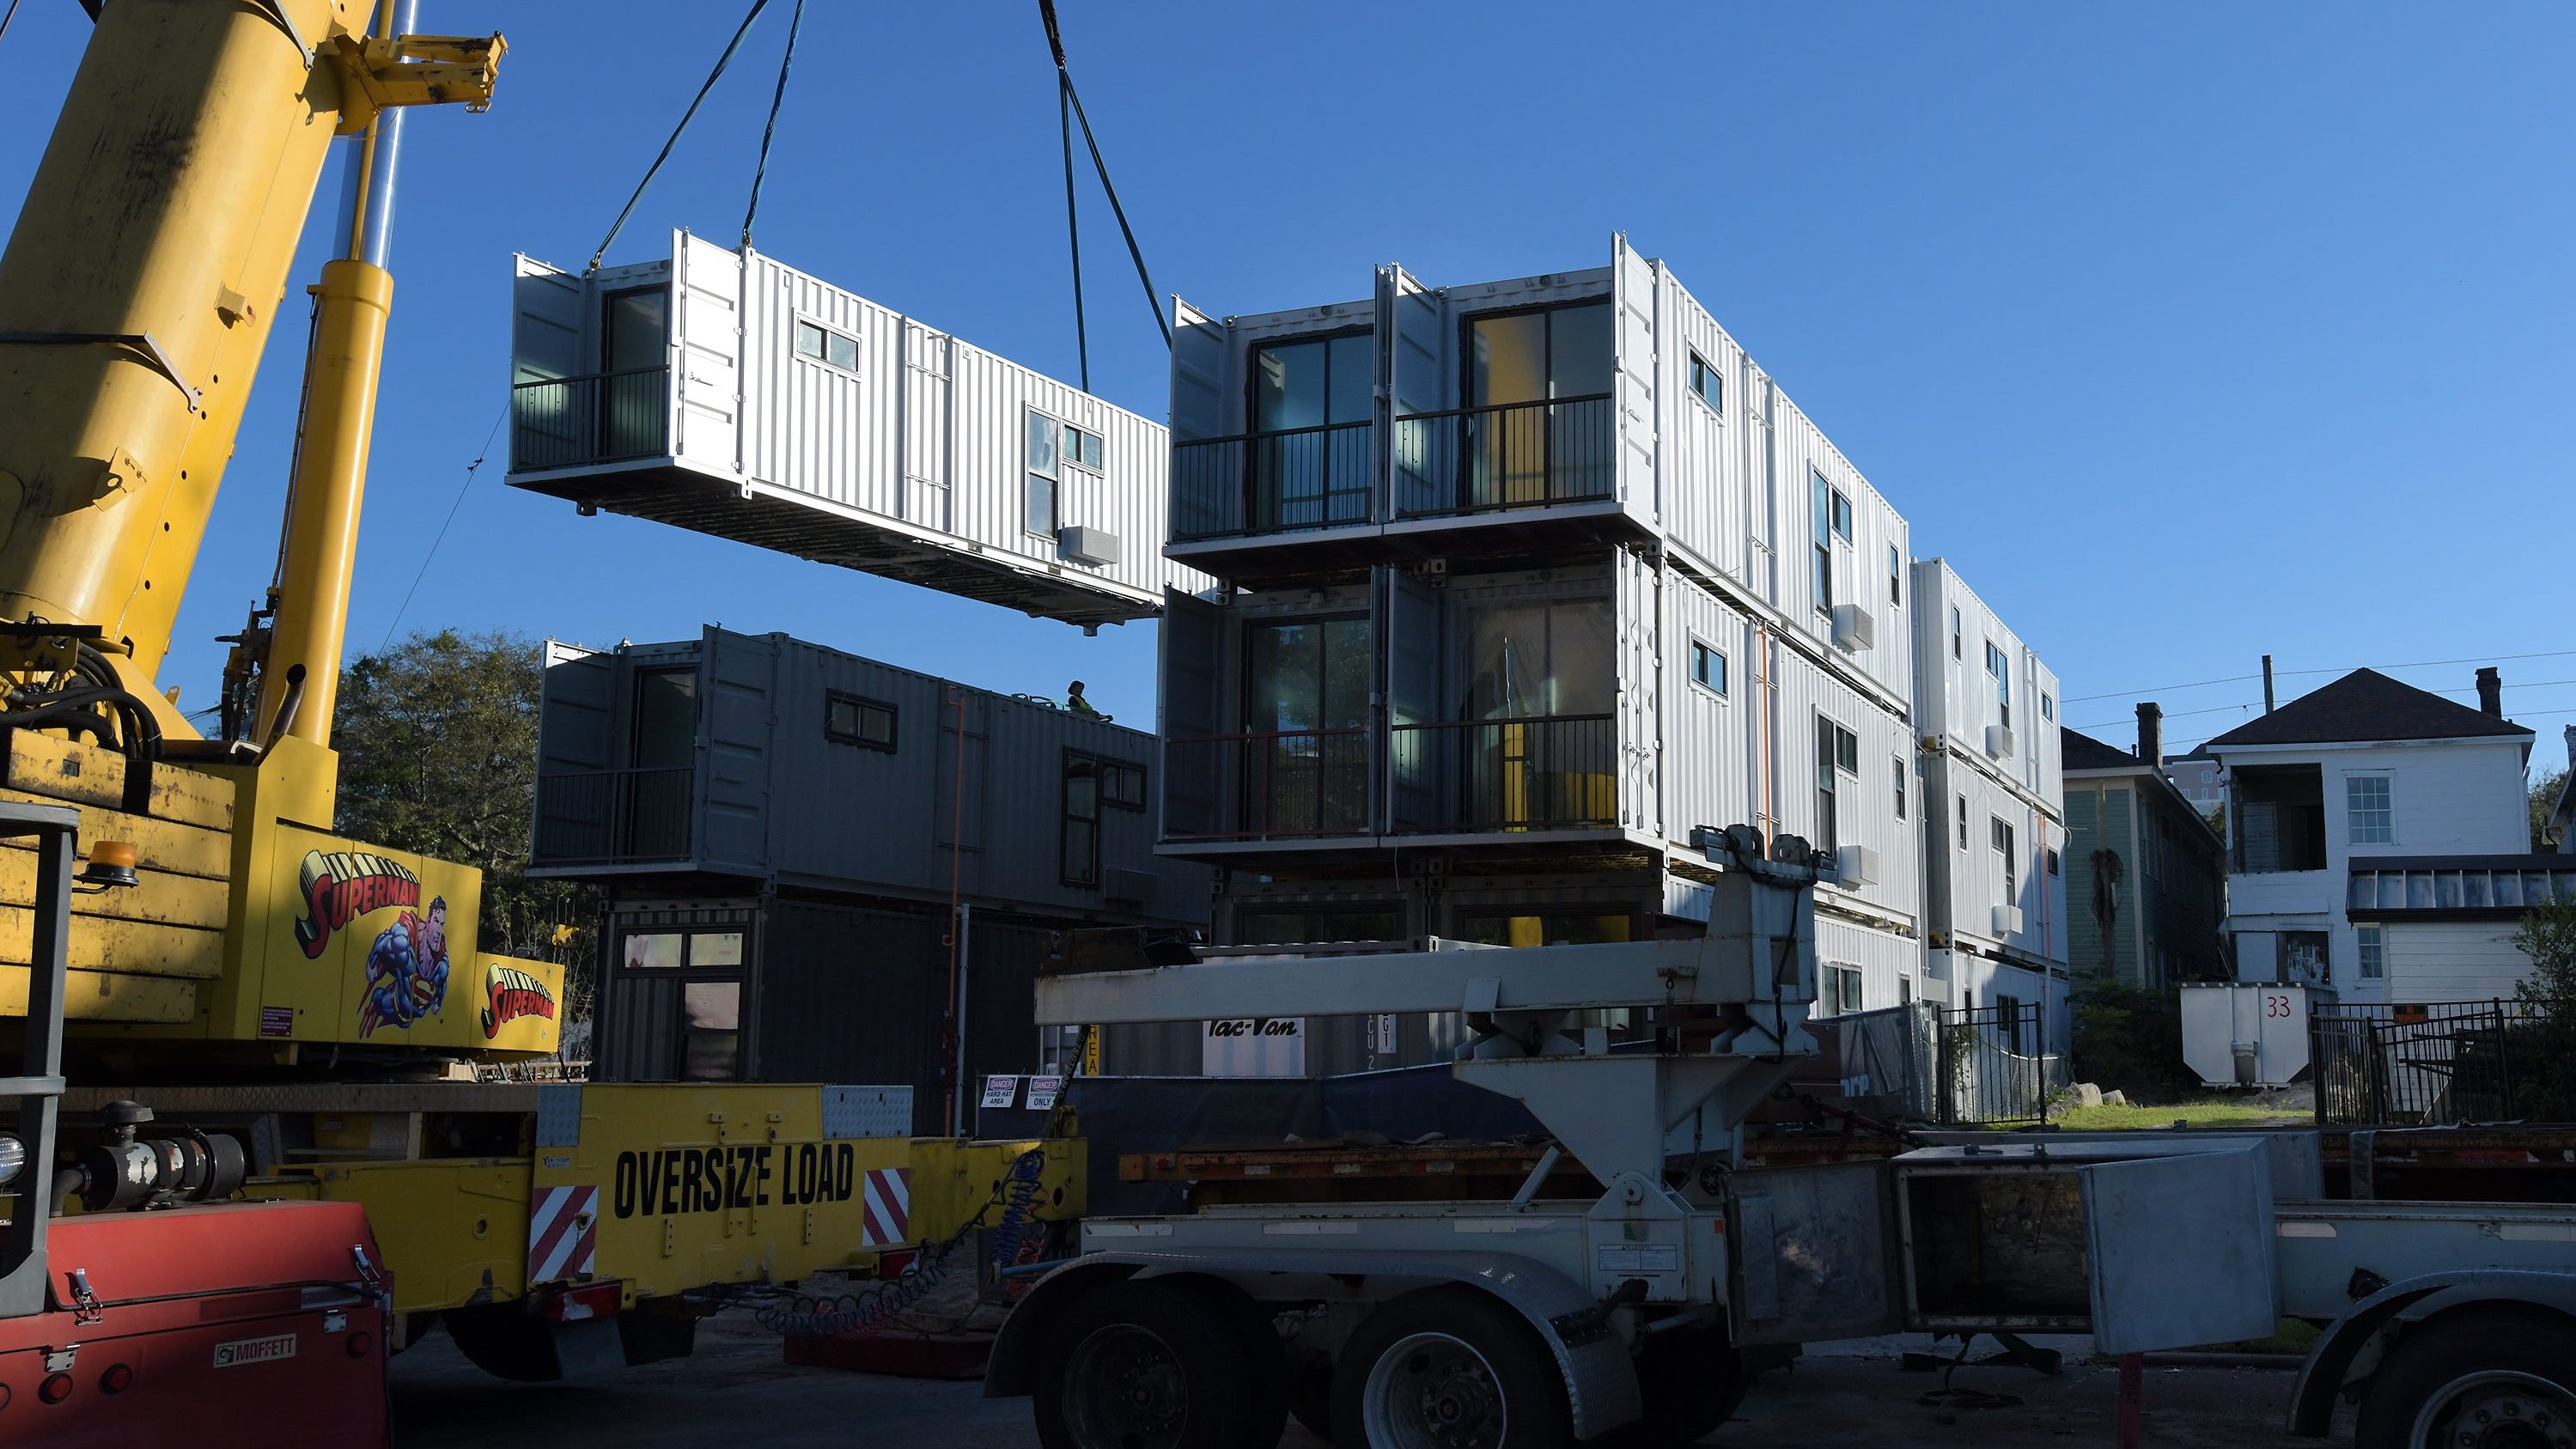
737, 1389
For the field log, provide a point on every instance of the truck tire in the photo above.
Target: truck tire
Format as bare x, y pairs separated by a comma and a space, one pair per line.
1264, 1386
1144, 1365
1448, 1368
1310, 1396
2490, 1379
1691, 1380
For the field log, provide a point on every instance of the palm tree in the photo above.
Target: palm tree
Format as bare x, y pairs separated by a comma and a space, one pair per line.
2106, 907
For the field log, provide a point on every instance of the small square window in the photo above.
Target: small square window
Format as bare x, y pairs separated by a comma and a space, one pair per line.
1842, 516
2047, 707
851, 720
1082, 449
1122, 785
1708, 668
1846, 751
1706, 382
824, 345
809, 340
2052, 861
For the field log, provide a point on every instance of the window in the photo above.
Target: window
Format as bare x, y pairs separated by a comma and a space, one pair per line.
2280, 818
825, 345
1963, 822
2373, 944
1565, 926
1705, 381
1082, 449
1708, 668
1824, 533
2003, 839
1525, 451
2052, 863
1122, 785
2366, 805
709, 1045
1896, 772
1954, 635
1306, 706
2010, 1022
851, 720
710, 1031
1837, 754
2000, 668
1312, 400
1044, 472
2047, 707
1839, 991
2302, 957
1532, 657
1895, 576
1081, 826
1842, 516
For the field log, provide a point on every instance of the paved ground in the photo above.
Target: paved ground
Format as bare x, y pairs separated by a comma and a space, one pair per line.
737, 1390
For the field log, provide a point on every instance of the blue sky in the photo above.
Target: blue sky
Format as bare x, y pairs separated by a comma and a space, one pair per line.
2187, 332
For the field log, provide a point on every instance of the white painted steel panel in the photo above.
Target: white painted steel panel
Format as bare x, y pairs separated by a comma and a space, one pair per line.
706, 354
1711, 459
1708, 737
1633, 338
1886, 960
1640, 624
545, 321
1865, 802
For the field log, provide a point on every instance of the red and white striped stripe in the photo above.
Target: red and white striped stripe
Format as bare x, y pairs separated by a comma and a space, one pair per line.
563, 1233
885, 1203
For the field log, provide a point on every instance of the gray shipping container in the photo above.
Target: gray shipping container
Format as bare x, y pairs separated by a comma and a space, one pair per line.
736, 762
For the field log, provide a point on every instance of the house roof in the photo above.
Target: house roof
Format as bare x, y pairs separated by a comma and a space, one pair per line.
2083, 752
2367, 705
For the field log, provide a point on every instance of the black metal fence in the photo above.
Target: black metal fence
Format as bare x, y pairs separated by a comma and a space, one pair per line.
594, 817
2415, 1065
1512, 455
1557, 772
1279, 784
1261, 483
1990, 1067
606, 417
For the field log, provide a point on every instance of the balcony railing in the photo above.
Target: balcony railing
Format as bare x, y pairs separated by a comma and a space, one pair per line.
605, 417
1278, 785
1276, 482
1558, 772
604, 817
1513, 455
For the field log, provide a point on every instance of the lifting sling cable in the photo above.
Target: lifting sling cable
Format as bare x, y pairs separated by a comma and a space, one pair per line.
685, 117
1070, 98
1072, 225
795, 22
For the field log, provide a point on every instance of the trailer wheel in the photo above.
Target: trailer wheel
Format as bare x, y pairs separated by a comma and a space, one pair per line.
1143, 1365
1691, 1380
2501, 1379
1310, 1395
1448, 1368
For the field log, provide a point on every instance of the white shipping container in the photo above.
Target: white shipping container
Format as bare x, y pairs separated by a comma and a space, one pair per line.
728, 393
2247, 1035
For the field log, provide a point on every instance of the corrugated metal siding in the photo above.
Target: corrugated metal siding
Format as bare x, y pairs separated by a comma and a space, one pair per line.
1640, 624
1865, 807
737, 724
1711, 458
1708, 739
932, 431
1884, 958
1633, 305
1976, 878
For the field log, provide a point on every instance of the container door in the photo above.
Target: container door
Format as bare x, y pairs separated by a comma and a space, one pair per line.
706, 397
546, 428
1811, 1253
1206, 483
1193, 672
1414, 761
740, 714
1409, 365
2181, 1250
576, 731
1633, 282
1640, 689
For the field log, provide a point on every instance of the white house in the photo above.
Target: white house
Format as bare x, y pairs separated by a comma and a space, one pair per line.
2379, 837
1994, 822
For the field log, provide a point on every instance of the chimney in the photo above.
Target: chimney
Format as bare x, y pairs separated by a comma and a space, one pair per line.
2267, 684
2490, 692
2151, 735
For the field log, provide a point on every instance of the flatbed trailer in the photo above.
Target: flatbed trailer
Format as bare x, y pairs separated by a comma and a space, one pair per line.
1345, 1285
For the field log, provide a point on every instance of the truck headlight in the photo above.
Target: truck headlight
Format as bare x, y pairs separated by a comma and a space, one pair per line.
13, 1158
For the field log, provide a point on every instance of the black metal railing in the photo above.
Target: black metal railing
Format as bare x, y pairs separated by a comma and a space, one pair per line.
2378, 1064
1989, 1066
1275, 785
599, 817
1275, 482
604, 417
1511, 455
1556, 772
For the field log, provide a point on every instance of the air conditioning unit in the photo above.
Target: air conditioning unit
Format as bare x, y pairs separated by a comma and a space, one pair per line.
1855, 627
2007, 920
1095, 546
1857, 864
1999, 740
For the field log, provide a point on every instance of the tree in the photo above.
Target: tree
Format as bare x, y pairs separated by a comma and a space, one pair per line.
2544, 1046
438, 755
2544, 798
